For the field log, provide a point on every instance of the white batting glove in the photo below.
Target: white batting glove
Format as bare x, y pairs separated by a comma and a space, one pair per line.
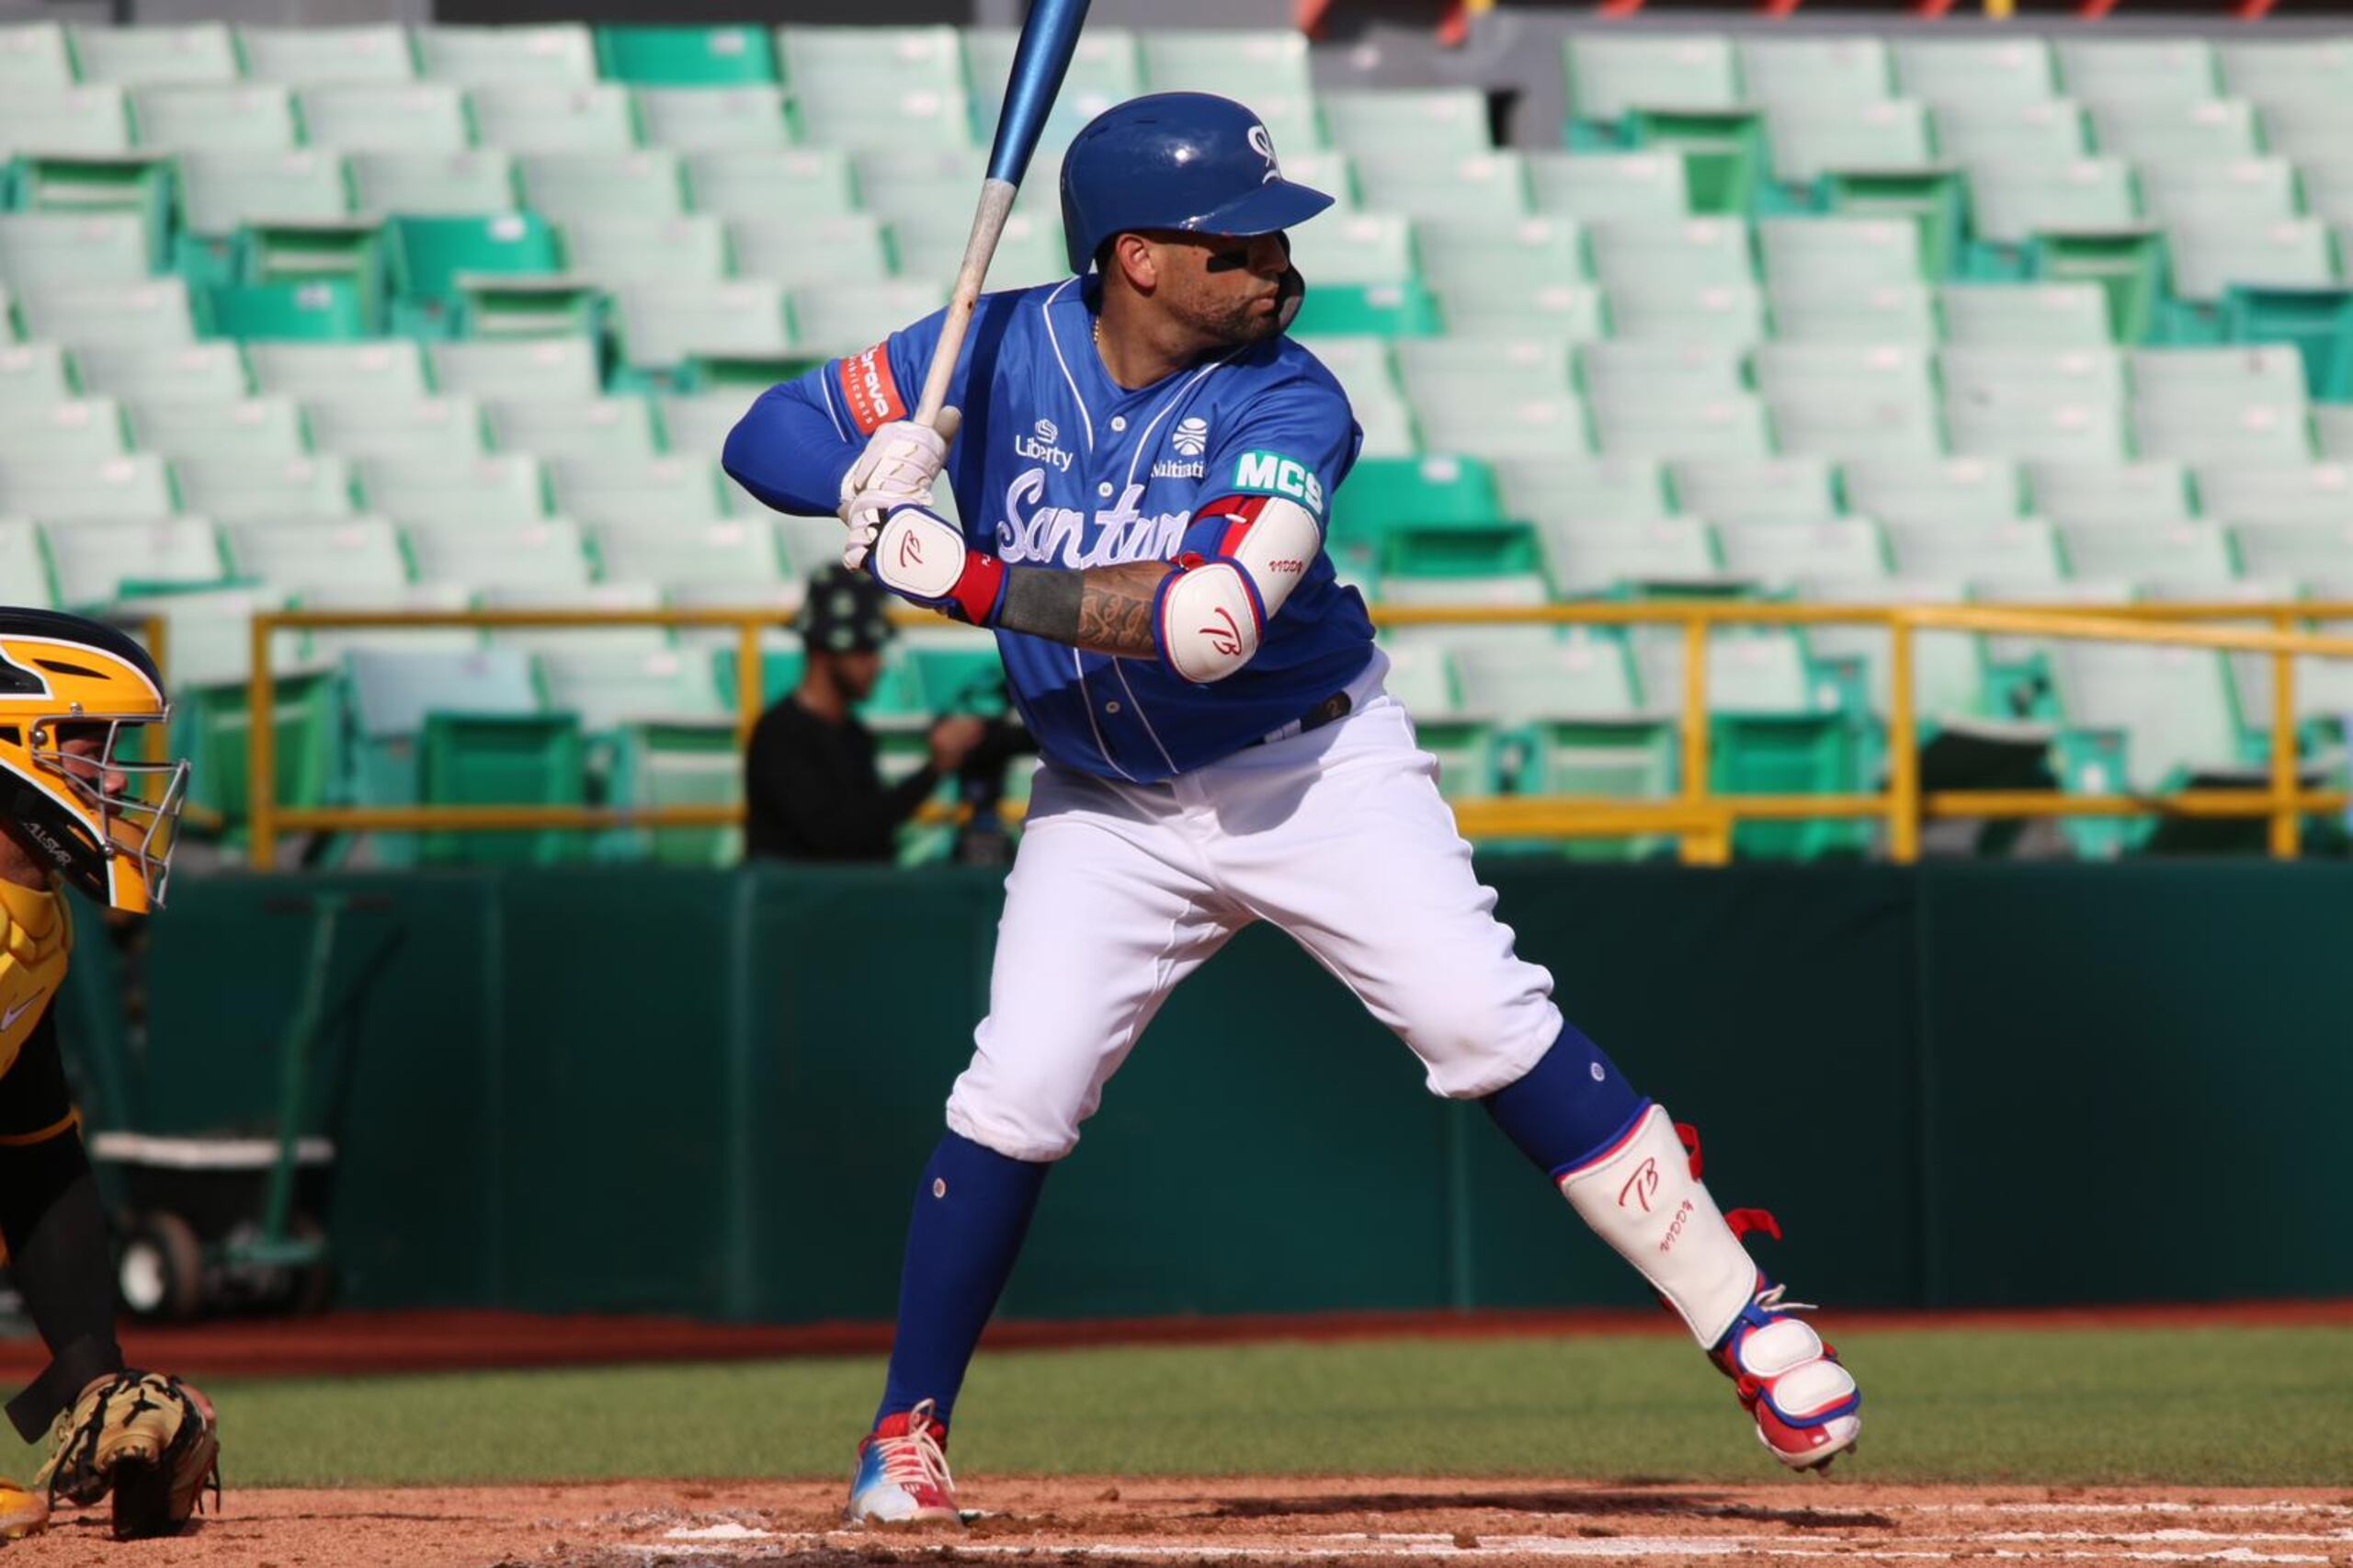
901, 463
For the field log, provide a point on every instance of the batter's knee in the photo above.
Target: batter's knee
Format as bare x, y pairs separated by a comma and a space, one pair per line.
1472, 1049
1020, 1111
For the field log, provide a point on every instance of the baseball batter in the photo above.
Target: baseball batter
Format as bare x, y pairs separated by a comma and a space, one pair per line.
1145, 465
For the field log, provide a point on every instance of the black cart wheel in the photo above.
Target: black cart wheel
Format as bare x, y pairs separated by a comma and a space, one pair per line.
161, 1274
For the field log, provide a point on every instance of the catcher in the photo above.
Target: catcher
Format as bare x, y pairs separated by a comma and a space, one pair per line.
73, 809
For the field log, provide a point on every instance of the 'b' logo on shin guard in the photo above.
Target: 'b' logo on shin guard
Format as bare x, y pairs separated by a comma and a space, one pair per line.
1640, 1185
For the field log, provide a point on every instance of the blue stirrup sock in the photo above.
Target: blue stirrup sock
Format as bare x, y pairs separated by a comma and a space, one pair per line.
1568, 1108
971, 1211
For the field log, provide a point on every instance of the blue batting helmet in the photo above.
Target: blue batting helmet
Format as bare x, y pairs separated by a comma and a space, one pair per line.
1175, 160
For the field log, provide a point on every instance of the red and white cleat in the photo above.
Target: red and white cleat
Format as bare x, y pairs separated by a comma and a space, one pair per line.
902, 1476
1807, 1407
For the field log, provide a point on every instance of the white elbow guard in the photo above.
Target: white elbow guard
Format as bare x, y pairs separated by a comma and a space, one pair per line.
1207, 619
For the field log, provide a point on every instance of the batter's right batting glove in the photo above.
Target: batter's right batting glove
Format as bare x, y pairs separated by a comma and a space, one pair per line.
901, 463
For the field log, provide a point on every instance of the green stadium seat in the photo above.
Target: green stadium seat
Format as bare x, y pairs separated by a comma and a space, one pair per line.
445, 429
1634, 369
2219, 378
2019, 550
387, 117
618, 426
415, 186
90, 119
2300, 552
2138, 70
660, 765
2162, 131
1386, 493
1503, 426
843, 318
32, 376
2269, 493
2035, 380
1431, 123
1809, 138
1722, 313
25, 577
318, 311
2009, 421
547, 117
237, 489
385, 371
564, 188
505, 489
611, 687
822, 248
429, 258
1608, 556
1949, 675
840, 59
76, 431
1754, 488
1731, 426
2318, 323
699, 58
1106, 68
680, 249
260, 430
1598, 187
1514, 252
1840, 253
465, 752
1029, 251
238, 116
1779, 554
1604, 488
559, 53
2070, 314
2175, 707
2000, 69
548, 551
1817, 387
153, 313
183, 372
2333, 431
734, 550
38, 248
2294, 253
1334, 173
1807, 312
34, 55
555, 369
351, 553
1553, 313
2243, 432
138, 184
2149, 491
2011, 200
198, 52
223, 192
1477, 187
2256, 192
808, 547
112, 488
662, 325
1690, 252
697, 426
887, 116
715, 120
635, 640
1480, 372
302, 56
1356, 248
2281, 71
97, 561
2190, 551
1387, 310
1609, 75
2129, 264
1805, 70
1724, 151
1211, 59
602, 488
1573, 715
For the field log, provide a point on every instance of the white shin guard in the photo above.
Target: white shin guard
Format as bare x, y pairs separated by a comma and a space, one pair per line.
1640, 1196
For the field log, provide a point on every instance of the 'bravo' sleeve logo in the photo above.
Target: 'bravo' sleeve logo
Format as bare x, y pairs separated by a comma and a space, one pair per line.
1270, 474
871, 390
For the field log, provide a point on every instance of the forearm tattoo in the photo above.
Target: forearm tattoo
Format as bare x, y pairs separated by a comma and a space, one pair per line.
1104, 609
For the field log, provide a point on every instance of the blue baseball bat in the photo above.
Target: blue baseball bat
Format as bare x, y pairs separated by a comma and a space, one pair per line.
1039, 61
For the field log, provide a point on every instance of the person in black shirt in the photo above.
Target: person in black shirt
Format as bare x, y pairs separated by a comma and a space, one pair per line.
810, 790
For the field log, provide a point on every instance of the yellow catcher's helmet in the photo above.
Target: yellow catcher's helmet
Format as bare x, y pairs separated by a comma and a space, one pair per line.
69, 689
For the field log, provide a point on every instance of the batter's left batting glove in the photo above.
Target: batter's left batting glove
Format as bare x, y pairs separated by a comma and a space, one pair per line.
923, 558
901, 463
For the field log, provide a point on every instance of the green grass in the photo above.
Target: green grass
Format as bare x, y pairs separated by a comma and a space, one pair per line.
2220, 1406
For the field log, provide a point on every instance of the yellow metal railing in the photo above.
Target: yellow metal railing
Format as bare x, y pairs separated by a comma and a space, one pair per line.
1700, 820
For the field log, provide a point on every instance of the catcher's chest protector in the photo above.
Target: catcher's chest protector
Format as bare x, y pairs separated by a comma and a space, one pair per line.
35, 939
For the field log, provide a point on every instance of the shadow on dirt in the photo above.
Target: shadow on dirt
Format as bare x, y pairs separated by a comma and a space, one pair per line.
1581, 1504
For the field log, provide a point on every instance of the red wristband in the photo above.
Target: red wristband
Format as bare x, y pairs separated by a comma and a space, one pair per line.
980, 588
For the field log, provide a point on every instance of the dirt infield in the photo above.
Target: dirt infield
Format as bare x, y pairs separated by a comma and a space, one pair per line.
1109, 1522
349, 1344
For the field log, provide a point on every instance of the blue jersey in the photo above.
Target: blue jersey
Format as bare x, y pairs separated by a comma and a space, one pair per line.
1058, 465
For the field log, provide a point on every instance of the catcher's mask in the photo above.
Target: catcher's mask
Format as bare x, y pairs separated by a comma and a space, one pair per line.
81, 704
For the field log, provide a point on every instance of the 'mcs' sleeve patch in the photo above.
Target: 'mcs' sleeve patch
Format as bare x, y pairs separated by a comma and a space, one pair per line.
1271, 473
870, 389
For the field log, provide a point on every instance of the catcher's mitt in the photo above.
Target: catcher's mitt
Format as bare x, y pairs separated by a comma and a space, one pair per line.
147, 1438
